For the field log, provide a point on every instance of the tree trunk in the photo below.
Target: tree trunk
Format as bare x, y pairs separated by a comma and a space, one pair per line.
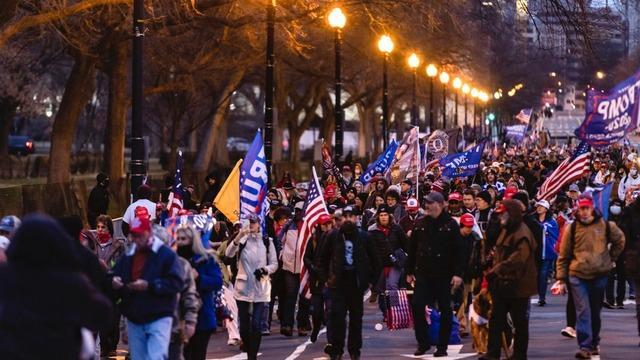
213, 133
114, 135
77, 92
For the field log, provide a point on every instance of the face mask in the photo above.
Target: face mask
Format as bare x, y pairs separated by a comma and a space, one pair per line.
633, 172
615, 210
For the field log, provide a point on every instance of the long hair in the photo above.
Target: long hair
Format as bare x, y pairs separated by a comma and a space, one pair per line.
106, 220
196, 242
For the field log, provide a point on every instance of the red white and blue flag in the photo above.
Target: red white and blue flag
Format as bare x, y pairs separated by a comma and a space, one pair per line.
177, 190
524, 115
399, 315
570, 170
314, 207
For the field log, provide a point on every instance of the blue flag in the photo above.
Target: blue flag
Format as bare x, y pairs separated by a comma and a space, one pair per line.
612, 116
601, 200
254, 181
516, 132
462, 164
381, 164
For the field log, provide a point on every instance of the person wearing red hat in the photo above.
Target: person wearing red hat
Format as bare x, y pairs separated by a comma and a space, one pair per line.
473, 242
588, 249
147, 279
311, 260
332, 198
408, 221
455, 205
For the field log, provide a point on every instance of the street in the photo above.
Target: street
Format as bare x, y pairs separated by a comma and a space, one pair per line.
619, 339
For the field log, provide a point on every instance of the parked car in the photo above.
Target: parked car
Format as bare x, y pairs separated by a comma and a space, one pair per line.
238, 144
21, 145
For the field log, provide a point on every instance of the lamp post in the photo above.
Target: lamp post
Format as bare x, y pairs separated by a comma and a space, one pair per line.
474, 96
444, 79
269, 86
337, 21
432, 71
457, 84
137, 166
414, 62
465, 90
385, 45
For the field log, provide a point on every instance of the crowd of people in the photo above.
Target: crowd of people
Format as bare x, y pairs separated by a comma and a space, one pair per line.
164, 292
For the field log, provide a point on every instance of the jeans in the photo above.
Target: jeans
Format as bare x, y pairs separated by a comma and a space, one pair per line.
291, 294
618, 277
348, 298
543, 275
320, 305
570, 309
250, 315
429, 291
389, 280
196, 348
150, 341
587, 296
518, 308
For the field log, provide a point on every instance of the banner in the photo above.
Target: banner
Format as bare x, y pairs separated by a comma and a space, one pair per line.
382, 163
406, 157
601, 200
228, 198
329, 167
515, 132
438, 144
462, 164
612, 116
254, 181
202, 223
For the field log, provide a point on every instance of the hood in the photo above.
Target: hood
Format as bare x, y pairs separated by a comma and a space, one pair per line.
42, 243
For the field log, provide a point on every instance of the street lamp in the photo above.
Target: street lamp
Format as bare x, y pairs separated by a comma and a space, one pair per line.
457, 84
269, 86
432, 71
337, 20
385, 45
444, 79
137, 165
414, 61
600, 75
474, 96
465, 90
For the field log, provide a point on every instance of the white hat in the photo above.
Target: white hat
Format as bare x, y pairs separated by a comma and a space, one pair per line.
544, 204
632, 156
4, 242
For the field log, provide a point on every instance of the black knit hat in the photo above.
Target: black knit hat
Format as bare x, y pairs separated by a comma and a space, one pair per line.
484, 195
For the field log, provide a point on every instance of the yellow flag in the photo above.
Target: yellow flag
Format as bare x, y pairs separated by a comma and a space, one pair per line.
228, 199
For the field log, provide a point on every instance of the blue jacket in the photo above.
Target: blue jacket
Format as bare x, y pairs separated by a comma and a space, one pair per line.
163, 273
549, 238
208, 283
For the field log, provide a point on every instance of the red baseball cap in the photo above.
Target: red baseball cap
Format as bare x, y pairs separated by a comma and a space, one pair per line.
455, 196
324, 218
330, 191
467, 220
510, 191
412, 204
585, 202
140, 225
501, 209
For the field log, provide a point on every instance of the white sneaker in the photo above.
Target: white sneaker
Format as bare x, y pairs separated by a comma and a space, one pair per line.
233, 342
568, 332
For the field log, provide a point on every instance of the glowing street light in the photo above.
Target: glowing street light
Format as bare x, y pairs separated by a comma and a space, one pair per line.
444, 79
414, 61
600, 75
432, 71
337, 20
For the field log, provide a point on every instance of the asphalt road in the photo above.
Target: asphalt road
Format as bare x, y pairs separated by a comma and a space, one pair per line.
619, 339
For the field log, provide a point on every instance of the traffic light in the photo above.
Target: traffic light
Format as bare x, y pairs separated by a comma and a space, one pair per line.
491, 116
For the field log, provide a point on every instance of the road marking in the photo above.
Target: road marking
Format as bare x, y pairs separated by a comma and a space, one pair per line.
242, 356
453, 350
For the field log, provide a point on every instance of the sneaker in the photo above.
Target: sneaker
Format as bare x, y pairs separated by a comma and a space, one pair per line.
266, 332
440, 353
620, 306
421, 350
286, 331
607, 305
233, 342
542, 303
596, 351
569, 332
583, 354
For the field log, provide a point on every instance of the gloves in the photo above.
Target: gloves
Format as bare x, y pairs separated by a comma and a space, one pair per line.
259, 273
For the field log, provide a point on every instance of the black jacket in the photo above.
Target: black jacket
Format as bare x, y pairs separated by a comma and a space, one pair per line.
97, 204
312, 260
332, 259
388, 244
436, 248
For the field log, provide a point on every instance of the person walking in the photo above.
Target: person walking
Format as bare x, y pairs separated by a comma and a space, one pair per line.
436, 262
256, 259
148, 278
588, 249
208, 282
348, 265
98, 202
547, 252
631, 227
143, 207
512, 280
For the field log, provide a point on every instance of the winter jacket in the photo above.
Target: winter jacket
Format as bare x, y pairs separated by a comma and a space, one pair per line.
550, 234
436, 248
208, 283
312, 260
586, 254
98, 203
254, 256
188, 302
387, 245
631, 228
514, 259
163, 272
626, 183
408, 222
290, 253
365, 258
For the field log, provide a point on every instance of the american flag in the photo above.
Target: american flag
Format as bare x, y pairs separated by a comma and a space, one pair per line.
570, 170
524, 115
331, 168
177, 191
314, 207
399, 315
